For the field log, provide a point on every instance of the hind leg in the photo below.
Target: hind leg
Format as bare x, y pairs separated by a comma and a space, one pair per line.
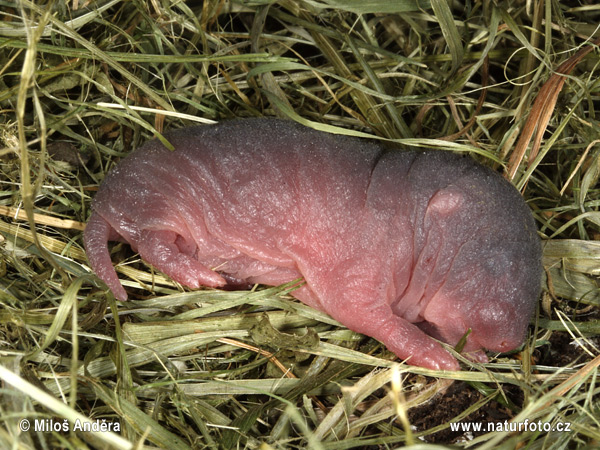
164, 250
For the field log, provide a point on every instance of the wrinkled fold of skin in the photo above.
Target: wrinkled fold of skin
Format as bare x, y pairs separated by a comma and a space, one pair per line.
396, 245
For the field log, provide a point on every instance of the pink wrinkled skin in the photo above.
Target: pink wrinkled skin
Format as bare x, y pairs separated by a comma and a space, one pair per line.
396, 245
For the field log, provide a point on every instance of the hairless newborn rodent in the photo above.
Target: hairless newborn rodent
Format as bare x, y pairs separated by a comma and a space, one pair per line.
399, 245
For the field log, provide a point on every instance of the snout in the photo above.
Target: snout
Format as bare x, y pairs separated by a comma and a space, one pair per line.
504, 345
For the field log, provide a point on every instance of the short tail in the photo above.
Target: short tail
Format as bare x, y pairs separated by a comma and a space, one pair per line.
95, 238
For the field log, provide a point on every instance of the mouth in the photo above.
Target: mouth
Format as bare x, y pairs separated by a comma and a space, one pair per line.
505, 346
496, 342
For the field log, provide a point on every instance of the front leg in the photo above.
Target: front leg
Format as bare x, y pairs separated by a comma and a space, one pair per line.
161, 249
403, 338
358, 298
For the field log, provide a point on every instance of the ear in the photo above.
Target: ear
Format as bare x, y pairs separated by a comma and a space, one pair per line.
446, 201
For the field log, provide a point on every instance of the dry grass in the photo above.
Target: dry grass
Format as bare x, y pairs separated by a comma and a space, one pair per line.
84, 82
